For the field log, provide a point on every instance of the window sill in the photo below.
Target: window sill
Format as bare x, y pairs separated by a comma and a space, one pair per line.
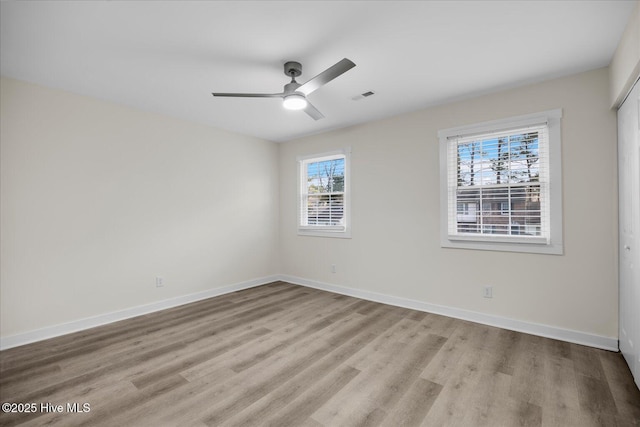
487, 244
335, 233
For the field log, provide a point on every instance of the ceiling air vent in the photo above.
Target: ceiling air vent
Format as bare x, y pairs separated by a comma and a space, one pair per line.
363, 95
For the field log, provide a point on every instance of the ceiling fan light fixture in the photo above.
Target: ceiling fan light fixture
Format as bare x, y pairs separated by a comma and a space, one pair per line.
294, 95
295, 102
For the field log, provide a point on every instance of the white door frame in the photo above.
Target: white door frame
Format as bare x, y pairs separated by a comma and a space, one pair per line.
629, 229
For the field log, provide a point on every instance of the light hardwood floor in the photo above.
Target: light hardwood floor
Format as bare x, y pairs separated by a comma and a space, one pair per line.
283, 355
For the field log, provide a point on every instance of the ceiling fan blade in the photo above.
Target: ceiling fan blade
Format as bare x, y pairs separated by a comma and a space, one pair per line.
249, 95
313, 112
326, 76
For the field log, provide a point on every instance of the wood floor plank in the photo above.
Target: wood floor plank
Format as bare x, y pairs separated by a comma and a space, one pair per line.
251, 353
256, 352
518, 413
575, 418
94, 395
170, 408
414, 405
527, 384
281, 354
439, 325
595, 396
319, 307
72, 345
194, 358
459, 388
302, 359
386, 346
405, 370
382, 385
447, 361
560, 388
624, 391
157, 353
72, 364
556, 348
486, 407
301, 406
280, 399
218, 401
587, 362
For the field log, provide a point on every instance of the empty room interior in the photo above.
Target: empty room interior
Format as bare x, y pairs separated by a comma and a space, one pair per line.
320, 213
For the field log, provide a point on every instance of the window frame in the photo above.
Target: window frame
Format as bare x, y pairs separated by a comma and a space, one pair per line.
505, 211
551, 245
343, 231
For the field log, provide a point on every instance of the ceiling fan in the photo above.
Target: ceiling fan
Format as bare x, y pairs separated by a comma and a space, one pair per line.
295, 94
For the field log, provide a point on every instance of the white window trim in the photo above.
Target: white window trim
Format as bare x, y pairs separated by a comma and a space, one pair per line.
343, 232
554, 245
504, 211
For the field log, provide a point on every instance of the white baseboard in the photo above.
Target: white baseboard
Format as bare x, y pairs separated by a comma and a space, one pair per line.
576, 337
568, 335
103, 319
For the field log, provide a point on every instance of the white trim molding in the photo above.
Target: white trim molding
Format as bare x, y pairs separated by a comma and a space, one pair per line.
547, 331
104, 319
342, 230
547, 125
577, 337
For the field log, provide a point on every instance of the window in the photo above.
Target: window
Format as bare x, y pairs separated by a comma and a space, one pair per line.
501, 185
323, 202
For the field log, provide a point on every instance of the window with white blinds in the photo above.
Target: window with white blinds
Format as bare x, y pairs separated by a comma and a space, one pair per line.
323, 204
501, 185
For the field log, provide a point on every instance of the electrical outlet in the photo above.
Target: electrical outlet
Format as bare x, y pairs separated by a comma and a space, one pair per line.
333, 268
487, 292
159, 282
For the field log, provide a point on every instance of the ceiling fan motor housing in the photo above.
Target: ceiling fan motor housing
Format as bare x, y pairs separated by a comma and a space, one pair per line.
292, 68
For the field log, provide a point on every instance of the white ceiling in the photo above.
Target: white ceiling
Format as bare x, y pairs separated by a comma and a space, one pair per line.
168, 56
